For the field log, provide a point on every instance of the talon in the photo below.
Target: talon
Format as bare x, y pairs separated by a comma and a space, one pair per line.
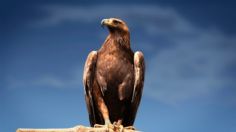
118, 127
114, 123
110, 126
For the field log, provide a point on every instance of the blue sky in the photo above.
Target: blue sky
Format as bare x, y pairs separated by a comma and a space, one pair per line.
189, 47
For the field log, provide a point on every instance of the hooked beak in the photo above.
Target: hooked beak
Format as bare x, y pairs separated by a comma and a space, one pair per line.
105, 22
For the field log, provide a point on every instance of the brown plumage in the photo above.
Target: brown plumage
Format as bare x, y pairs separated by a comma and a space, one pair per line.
113, 78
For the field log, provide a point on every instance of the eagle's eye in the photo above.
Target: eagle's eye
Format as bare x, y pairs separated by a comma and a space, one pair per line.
116, 22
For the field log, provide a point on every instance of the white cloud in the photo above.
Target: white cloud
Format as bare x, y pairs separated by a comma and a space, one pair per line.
191, 67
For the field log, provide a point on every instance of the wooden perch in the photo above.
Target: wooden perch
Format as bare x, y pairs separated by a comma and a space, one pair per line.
79, 128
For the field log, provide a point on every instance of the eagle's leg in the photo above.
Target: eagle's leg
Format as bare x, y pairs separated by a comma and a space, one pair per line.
105, 114
118, 122
104, 110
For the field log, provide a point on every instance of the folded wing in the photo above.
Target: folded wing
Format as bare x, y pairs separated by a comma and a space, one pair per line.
88, 80
139, 71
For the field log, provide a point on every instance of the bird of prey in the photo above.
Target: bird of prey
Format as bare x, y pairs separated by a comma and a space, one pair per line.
113, 78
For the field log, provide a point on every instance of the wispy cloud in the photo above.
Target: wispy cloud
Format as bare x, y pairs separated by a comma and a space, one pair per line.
191, 67
138, 14
48, 81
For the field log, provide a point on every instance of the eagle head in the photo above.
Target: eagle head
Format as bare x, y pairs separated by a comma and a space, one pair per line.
115, 25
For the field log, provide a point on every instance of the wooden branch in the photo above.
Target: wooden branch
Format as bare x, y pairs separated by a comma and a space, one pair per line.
79, 128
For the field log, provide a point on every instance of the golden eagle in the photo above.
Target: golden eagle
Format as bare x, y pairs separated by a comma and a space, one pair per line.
113, 78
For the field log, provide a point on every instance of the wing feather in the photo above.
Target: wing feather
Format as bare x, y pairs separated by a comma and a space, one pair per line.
139, 71
88, 80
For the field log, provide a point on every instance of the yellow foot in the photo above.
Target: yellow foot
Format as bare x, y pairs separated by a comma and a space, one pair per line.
118, 127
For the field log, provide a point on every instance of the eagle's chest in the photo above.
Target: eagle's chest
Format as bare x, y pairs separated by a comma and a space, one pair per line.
113, 63
113, 67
